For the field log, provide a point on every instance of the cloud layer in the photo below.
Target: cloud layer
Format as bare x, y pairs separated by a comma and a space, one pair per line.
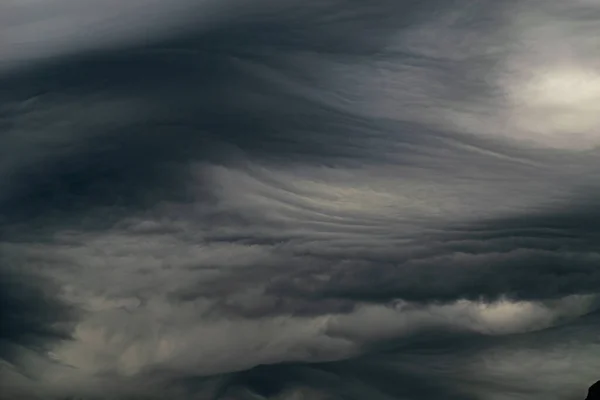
288, 200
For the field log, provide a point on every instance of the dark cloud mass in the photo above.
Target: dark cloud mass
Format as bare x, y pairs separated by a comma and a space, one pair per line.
326, 200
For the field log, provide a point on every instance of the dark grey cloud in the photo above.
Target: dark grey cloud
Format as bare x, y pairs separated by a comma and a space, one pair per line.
342, 200
155, 123
32, 320
264, 68
538, 256
31, 315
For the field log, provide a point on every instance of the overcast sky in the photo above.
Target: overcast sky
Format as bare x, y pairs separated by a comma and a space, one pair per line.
299, 200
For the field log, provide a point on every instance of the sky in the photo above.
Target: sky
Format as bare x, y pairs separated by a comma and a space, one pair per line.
299, 200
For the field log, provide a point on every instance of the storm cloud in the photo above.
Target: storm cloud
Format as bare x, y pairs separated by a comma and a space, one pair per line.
339, 199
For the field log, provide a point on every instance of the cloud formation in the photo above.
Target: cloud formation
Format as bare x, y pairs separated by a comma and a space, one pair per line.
290, 200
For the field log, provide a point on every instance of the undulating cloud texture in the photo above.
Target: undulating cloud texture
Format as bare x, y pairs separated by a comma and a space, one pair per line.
318, 200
